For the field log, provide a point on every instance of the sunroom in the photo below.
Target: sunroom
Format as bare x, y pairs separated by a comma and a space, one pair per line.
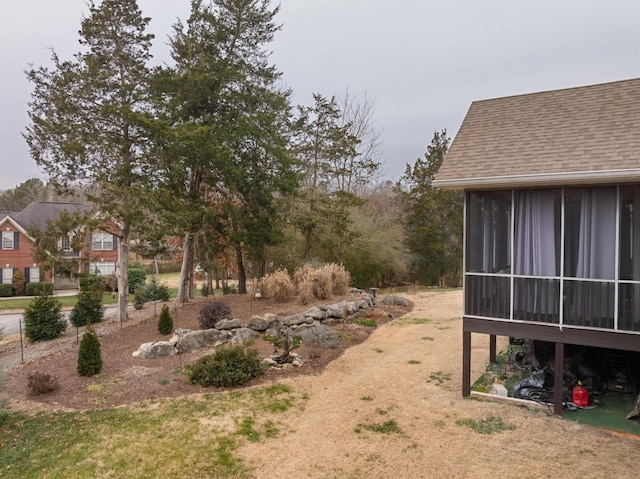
552, 219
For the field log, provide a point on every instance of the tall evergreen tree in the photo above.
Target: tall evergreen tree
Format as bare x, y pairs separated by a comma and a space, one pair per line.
225, 157
433, 220
89, 117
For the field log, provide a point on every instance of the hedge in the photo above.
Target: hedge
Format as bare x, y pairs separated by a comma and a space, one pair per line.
6, 290
34, 289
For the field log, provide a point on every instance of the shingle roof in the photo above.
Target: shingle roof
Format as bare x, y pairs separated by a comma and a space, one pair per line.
583, 135
36, 215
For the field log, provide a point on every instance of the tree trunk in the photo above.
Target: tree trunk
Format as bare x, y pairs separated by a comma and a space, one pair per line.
121, 272
242, 276
185, 286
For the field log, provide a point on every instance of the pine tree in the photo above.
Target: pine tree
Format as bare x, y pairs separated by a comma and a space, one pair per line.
89, 355
43, 318
165, 322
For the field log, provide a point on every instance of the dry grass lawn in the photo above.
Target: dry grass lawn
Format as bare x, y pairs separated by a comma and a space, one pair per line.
392, 407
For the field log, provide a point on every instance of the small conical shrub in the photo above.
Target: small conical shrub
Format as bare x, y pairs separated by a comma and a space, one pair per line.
165, 323
43, 319
89, 356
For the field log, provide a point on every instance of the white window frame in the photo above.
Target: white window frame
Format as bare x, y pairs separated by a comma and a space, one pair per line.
102, 268
34, 274
7, 240
7, 275
101, 241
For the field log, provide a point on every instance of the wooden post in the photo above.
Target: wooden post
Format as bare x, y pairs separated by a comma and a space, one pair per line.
466, 364
558, 383
492, 348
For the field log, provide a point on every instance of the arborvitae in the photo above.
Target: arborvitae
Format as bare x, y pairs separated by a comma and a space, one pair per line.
165, 322
43, 318
89, 356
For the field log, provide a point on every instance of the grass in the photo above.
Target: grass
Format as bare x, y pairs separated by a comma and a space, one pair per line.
387, 427
366, 322
489, 425
439, 377
181, 438
406, 321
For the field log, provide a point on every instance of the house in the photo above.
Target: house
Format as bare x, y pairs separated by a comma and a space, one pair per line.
552, 219
98, 256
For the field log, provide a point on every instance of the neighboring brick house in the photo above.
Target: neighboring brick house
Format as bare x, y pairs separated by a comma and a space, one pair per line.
552, 231
17, 246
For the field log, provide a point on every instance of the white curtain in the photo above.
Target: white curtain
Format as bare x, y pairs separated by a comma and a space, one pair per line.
535, 249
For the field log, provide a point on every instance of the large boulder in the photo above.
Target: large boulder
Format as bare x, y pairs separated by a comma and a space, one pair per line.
316, 313
392, 299
154, 350
242, 335
228, 324
262, 323
204, 338
318, 334
295, 320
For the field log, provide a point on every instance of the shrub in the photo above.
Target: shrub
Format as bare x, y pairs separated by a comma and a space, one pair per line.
155, 291
212, 313
140, 296
43, 318
41, 383
226, 289
89, 355
136, 276
204, 290
278, 286
312, 284
88, 309
340, 278
6, 290
165, 322
35, 289
110, 283
18, 283
93, 283
227, 367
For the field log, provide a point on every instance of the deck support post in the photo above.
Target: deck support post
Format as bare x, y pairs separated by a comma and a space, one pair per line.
466, 364
558, 383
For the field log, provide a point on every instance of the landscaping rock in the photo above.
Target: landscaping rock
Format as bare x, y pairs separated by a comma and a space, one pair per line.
205, 338
315, 313
318, 334
393, 299
262, 323
228, 324
154, 350
242, 335
295, 320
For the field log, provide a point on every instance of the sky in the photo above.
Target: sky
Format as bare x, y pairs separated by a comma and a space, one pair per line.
420, 62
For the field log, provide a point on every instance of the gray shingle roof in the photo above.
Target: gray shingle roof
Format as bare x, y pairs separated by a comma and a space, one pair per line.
583, 135
36, 215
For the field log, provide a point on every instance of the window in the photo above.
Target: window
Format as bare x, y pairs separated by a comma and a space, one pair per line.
103, 268
8, 240
34, 275
64, 244
7, 275
101, 241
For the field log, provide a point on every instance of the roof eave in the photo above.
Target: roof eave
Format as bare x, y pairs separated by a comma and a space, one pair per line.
541, 180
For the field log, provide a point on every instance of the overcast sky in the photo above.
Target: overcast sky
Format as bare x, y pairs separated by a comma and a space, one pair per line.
421, 62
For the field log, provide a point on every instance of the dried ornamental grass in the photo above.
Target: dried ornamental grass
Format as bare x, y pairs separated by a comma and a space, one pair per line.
340, 278
278, 286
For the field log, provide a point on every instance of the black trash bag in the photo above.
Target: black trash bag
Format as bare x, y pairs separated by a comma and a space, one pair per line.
531, 387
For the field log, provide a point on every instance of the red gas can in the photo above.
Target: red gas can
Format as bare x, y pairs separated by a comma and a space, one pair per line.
580, 395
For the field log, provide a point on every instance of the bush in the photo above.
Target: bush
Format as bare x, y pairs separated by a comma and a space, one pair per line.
155, 291
6, 290
165, 322
340, 278
92, 282
36, 289
204, 290
88, 309
212, 313
110, 283
312, 284
278, 286
140, 296
18, 283
43, 318
136, 276
41, 383
89, 356
227, 367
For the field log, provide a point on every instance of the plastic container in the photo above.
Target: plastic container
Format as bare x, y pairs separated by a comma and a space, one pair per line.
580, 395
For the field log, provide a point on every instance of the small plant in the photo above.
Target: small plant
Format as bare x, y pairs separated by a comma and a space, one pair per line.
366, 322
43, 319
155, 291
89, 355
41, 383
140, 296
226, 367
212, 313
136, 276
413, 361
439, 377
489, 425
165, 322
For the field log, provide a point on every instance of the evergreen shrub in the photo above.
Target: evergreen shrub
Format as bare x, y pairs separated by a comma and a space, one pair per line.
227, 367
89, 355
6, 290
165, 322
88, 309
18, 283
136, 276
213, 312
43, 318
